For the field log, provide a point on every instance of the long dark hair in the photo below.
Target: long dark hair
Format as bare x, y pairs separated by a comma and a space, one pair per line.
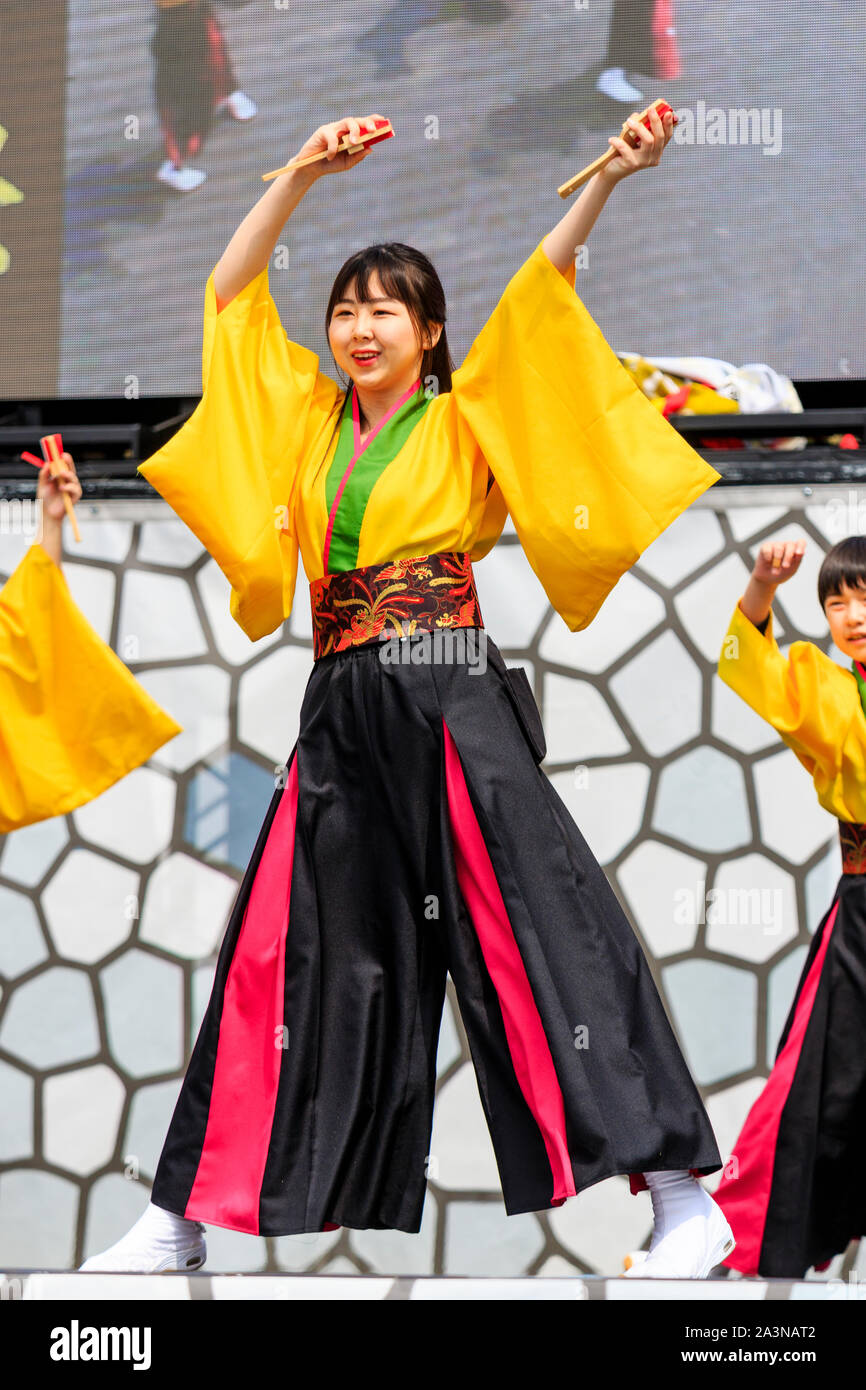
410, 276
844, 564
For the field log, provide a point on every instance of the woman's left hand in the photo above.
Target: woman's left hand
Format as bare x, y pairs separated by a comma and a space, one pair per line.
647, 153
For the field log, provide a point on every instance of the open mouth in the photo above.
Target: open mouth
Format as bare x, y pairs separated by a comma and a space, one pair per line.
365, 356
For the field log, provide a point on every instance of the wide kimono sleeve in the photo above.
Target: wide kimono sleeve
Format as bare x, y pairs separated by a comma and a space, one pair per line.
590, 472
229, 472
806, 697
73, 718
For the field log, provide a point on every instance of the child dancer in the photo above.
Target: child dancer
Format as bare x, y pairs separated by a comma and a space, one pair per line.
793, 1190
73, 720
413, 832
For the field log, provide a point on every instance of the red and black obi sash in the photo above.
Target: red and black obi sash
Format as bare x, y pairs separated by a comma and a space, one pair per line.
394, 599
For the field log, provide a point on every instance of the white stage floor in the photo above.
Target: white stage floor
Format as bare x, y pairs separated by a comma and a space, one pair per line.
42, 1286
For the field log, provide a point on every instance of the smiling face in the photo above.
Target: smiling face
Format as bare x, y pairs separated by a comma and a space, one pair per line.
380, 326
846, 614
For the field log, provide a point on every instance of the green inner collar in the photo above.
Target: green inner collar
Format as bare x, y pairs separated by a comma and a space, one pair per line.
355, 469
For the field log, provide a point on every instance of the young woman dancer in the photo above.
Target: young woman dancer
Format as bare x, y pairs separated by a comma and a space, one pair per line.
793, 1189
413, 832
73, 719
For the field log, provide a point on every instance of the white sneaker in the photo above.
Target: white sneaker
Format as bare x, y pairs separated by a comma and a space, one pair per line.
181, 179
614, 84
691, 1234
158, 1242
242, 107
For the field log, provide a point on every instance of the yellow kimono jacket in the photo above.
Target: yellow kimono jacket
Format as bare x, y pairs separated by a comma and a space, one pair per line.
73, 719
811, 701
588, 469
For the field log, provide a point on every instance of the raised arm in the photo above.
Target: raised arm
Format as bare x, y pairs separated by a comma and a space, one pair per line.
590, 472
230, 471
776, 562
49, 491
807, 698
560, 245
252, 245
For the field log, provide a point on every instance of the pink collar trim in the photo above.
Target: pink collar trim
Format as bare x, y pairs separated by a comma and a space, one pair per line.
356, 417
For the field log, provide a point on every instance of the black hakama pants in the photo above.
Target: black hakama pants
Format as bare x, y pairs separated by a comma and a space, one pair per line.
793, 1189
415, 835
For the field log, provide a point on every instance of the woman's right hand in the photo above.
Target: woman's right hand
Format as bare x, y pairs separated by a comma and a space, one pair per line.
778, 561
328, 136
51, 487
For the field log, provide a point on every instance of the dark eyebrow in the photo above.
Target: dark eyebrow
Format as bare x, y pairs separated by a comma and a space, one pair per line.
383, 299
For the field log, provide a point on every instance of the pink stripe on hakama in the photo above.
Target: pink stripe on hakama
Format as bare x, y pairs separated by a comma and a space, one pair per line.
228, 1180
745, 1199
527, 1042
